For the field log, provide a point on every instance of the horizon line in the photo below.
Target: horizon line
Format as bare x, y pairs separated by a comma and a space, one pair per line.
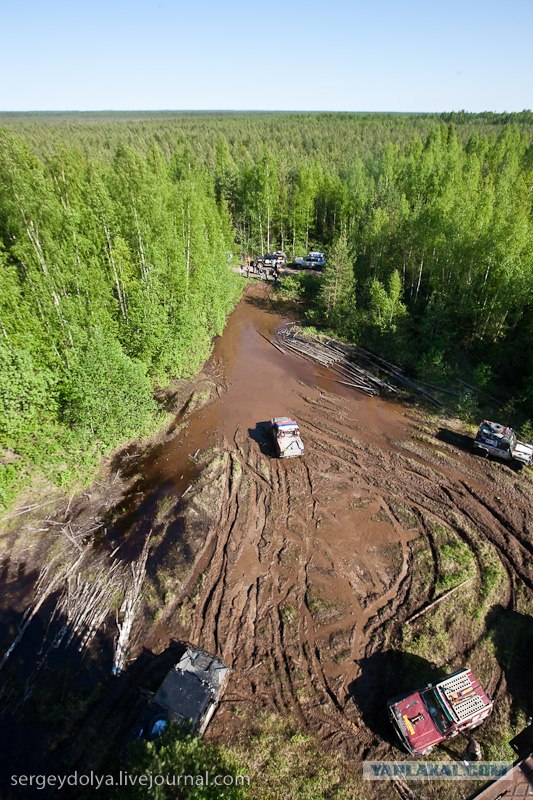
245, 111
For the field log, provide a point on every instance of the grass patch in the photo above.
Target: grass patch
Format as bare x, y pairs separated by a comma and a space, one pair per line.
381, 516
323, 609
360, 502
456, 560
291, 765
492, 577
289, 615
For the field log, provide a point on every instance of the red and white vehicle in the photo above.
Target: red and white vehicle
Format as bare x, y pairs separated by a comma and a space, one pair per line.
428, 717
286, 436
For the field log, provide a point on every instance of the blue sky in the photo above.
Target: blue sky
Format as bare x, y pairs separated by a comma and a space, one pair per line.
377, 55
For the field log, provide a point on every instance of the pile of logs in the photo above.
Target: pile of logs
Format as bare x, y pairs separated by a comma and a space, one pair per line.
355, 366
83, 584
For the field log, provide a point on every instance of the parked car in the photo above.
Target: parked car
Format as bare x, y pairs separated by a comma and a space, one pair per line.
316, 259
280, 257
189, 695
428, 717
313, 260
500, 441
299, 262
270, 260
286, 435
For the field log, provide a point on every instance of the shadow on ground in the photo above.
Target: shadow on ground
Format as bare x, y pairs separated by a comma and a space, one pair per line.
512, 634
265, 302
456, 439
261, 434
61, 710
385, 675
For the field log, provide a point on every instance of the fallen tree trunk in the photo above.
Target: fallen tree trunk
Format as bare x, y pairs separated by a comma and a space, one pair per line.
341, 358
479, 391
44, 595
129, 609
271, 342
358, 386
439, 599
453, 392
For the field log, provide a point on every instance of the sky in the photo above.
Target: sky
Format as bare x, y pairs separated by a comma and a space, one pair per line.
331, 55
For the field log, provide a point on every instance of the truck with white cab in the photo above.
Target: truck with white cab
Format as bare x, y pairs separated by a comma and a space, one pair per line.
502, 442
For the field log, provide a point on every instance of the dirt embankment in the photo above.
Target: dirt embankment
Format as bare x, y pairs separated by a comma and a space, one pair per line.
303, 574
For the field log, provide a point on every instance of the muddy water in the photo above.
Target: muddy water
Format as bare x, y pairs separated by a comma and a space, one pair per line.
261, 383
350, 532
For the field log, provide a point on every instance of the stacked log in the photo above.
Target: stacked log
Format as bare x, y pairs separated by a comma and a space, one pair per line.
345, 360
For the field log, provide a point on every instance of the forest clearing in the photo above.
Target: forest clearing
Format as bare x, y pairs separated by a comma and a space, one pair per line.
142, 507
314, 579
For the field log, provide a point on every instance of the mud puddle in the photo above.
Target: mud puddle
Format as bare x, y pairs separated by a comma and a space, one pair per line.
261, 383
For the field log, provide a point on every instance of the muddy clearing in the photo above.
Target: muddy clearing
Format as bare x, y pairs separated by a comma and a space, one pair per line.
302, 574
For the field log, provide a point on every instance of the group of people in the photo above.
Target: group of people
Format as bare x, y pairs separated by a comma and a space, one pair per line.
258, 268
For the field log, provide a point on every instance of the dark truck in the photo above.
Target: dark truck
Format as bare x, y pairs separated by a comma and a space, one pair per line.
189, 695
276, 259
431, 715
500, 441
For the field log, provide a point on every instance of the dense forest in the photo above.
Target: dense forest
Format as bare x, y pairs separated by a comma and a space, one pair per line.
116, 232
114, 278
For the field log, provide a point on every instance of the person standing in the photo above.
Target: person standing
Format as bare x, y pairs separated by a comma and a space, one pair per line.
472, 751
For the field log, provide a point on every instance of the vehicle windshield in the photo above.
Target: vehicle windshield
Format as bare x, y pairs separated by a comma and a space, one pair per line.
436, 710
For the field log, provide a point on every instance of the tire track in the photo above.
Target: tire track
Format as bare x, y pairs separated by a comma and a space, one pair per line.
279, 565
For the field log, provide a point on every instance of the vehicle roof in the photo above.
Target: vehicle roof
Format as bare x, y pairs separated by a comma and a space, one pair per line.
464, 694
495, 429
183, 694
284, 421
206, 667
414, 720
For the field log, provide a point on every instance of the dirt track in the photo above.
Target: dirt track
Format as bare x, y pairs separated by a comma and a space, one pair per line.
302, 573
310, 567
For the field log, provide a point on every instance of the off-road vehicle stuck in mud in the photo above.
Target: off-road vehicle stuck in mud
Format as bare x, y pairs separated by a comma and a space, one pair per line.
500, 441
440, 711
286, 435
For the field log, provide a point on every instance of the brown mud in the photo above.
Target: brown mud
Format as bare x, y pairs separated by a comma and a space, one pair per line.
308, 568
301, 574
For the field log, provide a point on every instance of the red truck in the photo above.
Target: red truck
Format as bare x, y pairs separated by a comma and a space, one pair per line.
428, 717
